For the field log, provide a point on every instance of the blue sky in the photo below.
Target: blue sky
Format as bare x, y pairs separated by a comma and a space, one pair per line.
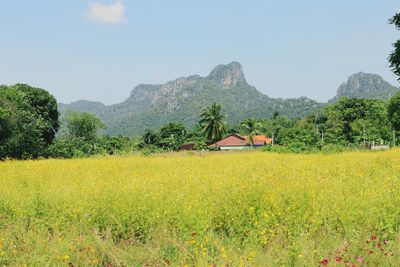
99, 50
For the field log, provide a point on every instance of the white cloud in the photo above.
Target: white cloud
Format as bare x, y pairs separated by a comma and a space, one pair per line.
114, 13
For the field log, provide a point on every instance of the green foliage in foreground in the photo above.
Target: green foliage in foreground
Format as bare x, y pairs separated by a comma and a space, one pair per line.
28, 121
394, 58
394, 111
213, 123
66, 147
83, 125
302, 148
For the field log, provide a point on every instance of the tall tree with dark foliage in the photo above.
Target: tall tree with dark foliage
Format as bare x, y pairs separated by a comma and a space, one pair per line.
213, 123
394, 58
28, 121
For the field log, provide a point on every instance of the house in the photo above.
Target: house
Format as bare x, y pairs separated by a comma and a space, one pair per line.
239, 142
262, 140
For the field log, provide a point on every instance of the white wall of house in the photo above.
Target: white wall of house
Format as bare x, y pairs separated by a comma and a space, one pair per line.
235, 147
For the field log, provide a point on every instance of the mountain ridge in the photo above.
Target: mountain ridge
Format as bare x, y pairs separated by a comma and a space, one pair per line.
365, 85
182, 99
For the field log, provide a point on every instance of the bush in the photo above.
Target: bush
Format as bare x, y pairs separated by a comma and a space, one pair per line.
334, 148
301, 148
296, 147
73, 148
68, 147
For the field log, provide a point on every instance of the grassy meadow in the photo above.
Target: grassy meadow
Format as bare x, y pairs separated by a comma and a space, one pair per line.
183, 209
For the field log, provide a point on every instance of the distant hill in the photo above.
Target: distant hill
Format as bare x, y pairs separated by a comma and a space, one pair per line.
150, 106
87, 106
366, 85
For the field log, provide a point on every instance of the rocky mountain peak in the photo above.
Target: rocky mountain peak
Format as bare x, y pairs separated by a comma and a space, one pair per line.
182, 99
362, 81
228, 75
225, 76
366, 85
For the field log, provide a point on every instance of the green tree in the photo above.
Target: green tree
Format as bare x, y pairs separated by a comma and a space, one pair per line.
41, 104
213, 123
234, 129
27, 139
300, 132
150, 138
195, 137
83, 125
276, 127
28, 121
116, 144
368, 130
172, 135
5, 130
394, 57
251, 127
350, 119
394, 113
318, 118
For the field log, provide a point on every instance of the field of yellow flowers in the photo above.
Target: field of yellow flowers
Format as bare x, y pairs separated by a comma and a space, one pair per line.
222, 209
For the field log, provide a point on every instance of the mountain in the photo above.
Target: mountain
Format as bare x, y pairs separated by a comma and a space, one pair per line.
366, 85
150, 106
87, 106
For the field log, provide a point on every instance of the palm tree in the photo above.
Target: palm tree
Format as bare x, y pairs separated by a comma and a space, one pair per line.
212, 123
251, 126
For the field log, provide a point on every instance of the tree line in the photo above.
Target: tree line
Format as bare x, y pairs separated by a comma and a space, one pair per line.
30, 127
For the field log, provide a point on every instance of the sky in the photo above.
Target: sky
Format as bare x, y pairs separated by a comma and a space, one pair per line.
99, 50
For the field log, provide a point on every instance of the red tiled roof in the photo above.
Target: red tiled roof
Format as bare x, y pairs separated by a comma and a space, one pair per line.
238, 140
232, 140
